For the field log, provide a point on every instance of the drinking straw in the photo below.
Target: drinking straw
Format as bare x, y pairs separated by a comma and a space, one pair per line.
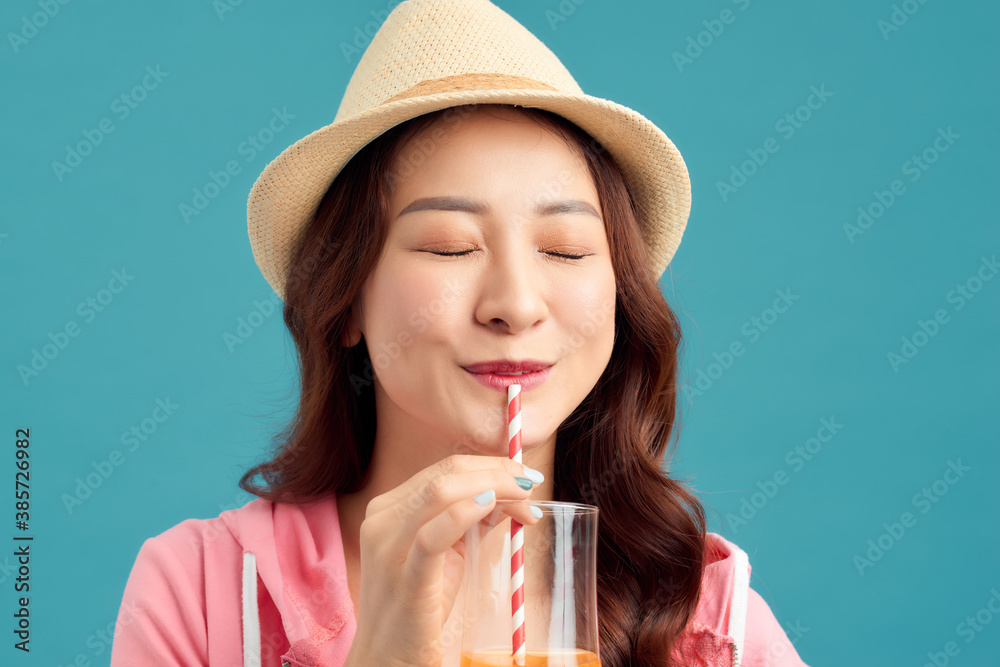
517, 534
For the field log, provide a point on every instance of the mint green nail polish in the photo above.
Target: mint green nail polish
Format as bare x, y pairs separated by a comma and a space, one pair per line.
524, 483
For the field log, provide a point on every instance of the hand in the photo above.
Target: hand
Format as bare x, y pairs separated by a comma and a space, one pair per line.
412, 556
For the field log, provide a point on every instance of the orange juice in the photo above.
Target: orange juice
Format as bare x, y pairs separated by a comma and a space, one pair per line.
568, 658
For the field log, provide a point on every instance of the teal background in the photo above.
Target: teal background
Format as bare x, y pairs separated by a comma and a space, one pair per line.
825, 357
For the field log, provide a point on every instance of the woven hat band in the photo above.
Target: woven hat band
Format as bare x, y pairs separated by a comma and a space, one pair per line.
470, 81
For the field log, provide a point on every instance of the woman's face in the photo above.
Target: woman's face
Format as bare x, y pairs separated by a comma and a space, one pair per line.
479, 266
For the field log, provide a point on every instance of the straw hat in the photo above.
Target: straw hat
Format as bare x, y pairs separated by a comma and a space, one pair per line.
433, 54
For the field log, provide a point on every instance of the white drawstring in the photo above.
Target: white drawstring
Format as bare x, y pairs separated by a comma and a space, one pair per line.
738, 606
251, 619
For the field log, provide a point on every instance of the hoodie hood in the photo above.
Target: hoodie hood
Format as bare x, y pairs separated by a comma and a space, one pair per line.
297, 553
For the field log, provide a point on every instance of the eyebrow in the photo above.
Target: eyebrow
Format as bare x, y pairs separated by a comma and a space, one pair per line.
480, 207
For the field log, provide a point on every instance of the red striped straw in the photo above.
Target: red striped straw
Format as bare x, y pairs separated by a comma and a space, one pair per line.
516, 532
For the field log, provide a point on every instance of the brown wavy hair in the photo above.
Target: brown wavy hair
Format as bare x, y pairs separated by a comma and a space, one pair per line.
609, 452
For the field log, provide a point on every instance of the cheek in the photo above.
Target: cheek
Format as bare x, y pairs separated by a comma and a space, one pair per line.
405, 306
591, 308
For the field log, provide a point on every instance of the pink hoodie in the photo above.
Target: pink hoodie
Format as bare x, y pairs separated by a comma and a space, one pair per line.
266, 584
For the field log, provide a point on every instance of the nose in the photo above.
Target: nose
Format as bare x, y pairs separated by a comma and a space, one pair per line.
512, 297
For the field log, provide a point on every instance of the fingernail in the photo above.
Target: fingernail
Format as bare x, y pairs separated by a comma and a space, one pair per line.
524, 483
485, 498
535, 476
536, 512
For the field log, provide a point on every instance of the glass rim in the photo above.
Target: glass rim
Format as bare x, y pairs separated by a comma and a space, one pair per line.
579, 508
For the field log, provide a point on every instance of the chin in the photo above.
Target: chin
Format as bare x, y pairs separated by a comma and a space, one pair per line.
481, 449
477, 444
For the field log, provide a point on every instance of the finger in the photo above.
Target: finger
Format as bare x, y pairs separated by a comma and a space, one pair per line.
449, 465
393, 529
425, 558
446, 530
520, 511
444, 490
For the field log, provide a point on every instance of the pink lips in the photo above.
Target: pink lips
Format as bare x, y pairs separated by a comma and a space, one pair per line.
487, 373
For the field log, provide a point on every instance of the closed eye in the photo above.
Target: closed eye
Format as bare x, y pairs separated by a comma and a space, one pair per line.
449, 254
459, 253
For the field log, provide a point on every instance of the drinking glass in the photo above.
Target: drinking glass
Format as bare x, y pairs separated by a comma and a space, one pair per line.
560, 588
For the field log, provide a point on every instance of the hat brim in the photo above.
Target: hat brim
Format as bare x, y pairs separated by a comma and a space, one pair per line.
286, 195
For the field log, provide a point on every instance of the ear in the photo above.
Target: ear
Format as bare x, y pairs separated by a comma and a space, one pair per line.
352, 330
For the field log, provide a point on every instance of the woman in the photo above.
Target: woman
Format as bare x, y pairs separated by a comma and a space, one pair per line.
455, 246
